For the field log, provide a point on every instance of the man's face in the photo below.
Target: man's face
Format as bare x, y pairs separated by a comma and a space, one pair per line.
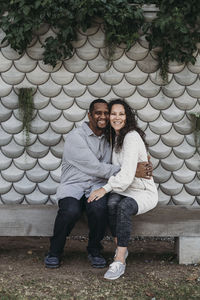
99, 118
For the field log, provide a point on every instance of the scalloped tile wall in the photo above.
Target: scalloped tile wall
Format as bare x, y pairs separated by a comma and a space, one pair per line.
62, 97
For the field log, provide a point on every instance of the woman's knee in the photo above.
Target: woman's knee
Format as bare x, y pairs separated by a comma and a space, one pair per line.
128, 206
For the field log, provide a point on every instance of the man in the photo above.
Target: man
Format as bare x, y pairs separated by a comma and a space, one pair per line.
85, 167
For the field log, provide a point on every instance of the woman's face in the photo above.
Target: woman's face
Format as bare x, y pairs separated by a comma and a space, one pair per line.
117, 117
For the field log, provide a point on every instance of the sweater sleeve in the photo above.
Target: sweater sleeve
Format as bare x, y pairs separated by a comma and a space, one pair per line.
130, 153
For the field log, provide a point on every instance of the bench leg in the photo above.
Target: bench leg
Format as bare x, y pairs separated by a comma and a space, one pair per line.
188, 250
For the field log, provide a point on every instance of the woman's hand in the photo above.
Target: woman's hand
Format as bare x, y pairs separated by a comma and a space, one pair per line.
96, 195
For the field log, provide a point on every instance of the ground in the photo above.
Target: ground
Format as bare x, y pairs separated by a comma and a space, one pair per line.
152, 272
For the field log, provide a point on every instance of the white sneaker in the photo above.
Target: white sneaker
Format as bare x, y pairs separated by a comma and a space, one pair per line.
116, 269
125, 256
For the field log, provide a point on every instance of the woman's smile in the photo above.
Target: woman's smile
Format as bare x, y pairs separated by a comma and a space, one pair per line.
117, 117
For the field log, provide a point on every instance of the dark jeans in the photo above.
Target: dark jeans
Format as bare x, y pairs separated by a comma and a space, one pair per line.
120, 211
69, 212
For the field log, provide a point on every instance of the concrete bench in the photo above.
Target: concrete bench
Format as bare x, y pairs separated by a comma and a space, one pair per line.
180, 222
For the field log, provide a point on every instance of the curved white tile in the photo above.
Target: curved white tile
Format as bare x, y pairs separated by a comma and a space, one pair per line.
193, 187
36, 197
12, 197
12, 125
5, 186
194, 89
24, 186
50, 88
11, 100
87, 52
5, 137
49, 113
37, 76
172, 138
184, 126
196, 67
148, 64
151, 138
172, 114
38, 125
156, 78
9, 53
98, 39
74, 113
160, 150
124, 64
39, 100
99, 64
173, 89
87, 76
161, 175
5, 88
12, 150
48, 187
193, 163
184, 150
185, 77
49, 68
115, 56
91, 30
49, 162
137, 52
160, 125
99, 89
20, 138
62, 76
57, 150
175, 67
5, 161
56, 174
49, 137
36, 52
172, 162
185, 101
5, 64
2, 36
37, 174
25, 64
62, 101
62, 125
148, 89
74, 89
136, 101
75, 64
148, 113
124, 89
184, 175
25, 162
111, 76
80, 40
12, 174
163, 198
171, 187
37, 150
183, 198
136, 76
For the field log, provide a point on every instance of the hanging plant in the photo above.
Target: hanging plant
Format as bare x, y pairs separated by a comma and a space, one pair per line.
196, 128
26, 110
175, 30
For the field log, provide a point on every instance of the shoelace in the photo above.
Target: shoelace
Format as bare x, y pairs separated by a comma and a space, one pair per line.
114, 267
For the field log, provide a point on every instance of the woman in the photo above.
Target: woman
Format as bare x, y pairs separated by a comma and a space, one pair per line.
132, 195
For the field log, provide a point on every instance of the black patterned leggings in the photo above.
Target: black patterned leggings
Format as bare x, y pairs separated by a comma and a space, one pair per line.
120, 210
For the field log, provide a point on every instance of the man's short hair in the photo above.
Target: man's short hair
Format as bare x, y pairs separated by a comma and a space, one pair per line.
91, 108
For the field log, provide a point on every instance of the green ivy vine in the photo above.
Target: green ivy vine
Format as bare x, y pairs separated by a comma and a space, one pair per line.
26, 109
196, 117
175, 31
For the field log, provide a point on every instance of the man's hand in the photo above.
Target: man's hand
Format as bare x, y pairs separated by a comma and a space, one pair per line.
96, 195
144, 169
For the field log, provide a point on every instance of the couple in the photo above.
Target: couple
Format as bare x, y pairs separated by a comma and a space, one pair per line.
88, 177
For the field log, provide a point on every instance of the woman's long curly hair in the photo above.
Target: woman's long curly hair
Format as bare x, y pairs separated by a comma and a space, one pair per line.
130, 125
